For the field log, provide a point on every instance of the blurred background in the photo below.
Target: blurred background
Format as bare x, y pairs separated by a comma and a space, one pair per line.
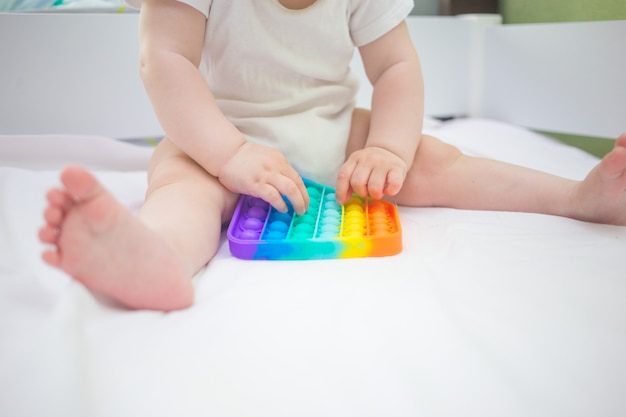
528, 11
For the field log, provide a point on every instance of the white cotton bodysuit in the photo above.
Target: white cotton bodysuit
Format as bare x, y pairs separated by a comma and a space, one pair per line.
282, 76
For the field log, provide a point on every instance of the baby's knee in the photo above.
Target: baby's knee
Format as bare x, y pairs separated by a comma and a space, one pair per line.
184, 179
434, 155
169, 164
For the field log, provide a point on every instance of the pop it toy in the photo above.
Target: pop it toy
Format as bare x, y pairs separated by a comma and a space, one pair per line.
362, 227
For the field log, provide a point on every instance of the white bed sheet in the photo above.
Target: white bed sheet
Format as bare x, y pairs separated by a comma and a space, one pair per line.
482, 314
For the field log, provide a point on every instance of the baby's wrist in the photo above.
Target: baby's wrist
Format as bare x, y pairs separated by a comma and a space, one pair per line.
228, 157
390, 150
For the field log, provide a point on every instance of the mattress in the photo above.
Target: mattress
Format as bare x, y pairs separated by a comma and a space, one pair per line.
481, 314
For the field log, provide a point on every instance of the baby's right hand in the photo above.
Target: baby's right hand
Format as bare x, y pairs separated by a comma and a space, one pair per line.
264, 172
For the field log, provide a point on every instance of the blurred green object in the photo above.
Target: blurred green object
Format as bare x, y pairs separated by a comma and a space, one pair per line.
593, 145
542, 11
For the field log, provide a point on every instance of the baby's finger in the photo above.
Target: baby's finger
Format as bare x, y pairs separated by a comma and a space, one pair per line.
360, 179
395, 179
304, 192
343, 189
376, 184
293, 188
270, 194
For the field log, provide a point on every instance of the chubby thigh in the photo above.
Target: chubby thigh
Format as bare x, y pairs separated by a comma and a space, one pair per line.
170, 165
185, 205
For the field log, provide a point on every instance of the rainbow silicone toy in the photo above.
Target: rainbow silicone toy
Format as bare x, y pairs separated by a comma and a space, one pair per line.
363, 227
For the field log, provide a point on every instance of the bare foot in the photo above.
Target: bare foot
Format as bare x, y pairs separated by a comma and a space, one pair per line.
602, 195
101, 244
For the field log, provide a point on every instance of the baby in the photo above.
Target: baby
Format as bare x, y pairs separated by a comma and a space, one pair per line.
252, 94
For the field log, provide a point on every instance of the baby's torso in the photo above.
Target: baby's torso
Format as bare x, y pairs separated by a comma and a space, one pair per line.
282, 76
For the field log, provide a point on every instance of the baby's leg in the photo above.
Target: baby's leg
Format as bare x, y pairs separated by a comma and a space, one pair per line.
144, 261
441, 176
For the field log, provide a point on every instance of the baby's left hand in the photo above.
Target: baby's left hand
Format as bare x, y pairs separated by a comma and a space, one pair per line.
371, 171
